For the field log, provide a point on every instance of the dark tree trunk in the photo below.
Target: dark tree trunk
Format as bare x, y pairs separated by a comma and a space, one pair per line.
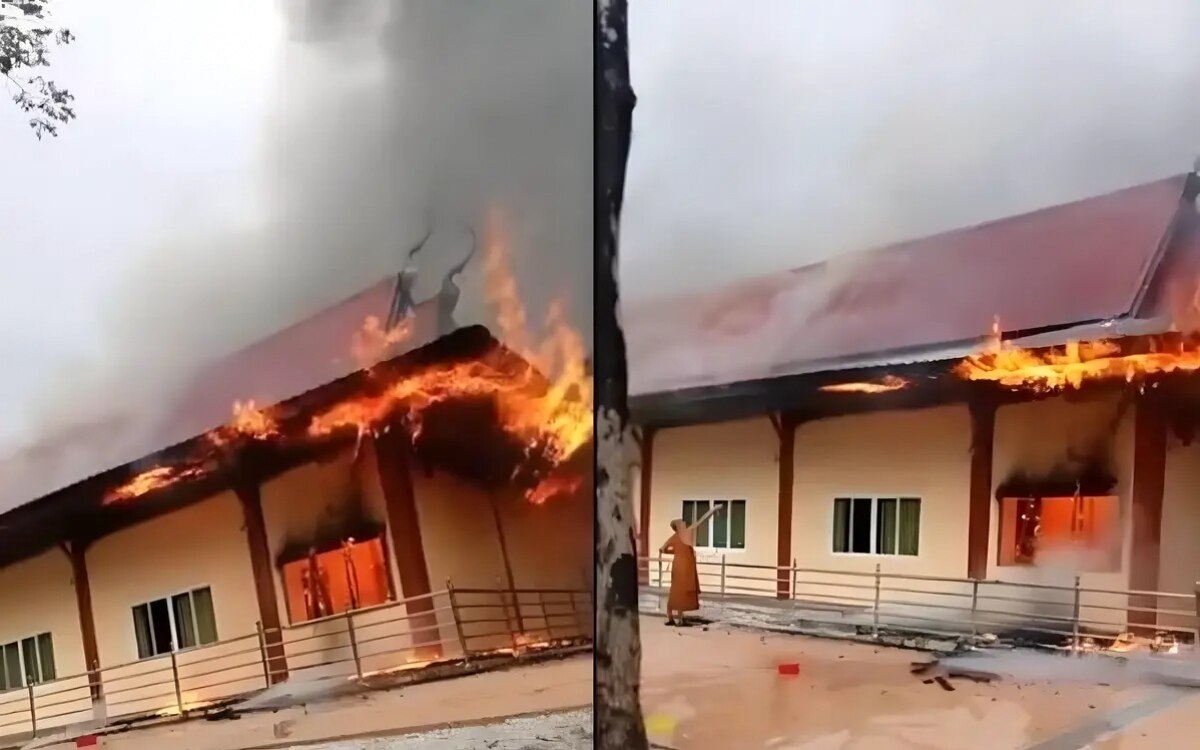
618, 652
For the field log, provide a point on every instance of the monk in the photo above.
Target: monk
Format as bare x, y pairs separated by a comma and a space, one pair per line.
685, 579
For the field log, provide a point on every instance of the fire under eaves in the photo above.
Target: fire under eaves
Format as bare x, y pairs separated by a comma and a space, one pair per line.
462, 436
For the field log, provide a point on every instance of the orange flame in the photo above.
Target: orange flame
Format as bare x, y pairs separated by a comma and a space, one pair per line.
1071, 365
151, 479
556, 422
554, 486
886, 384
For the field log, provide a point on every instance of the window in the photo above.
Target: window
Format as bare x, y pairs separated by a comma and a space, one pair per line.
877, 525
182, 621
29, 661
1087, 529
341, 579
725, 530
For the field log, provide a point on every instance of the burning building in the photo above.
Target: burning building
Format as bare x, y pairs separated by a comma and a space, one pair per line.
342, 466
1014, 401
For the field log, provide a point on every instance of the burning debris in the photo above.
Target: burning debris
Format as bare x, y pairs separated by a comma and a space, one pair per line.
1069, 366
886, 384
550, 419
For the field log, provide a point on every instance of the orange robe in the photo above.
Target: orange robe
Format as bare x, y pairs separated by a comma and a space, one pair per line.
685, 579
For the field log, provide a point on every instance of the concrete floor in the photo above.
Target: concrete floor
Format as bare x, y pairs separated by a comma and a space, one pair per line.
475, 700
719, 688
571, 730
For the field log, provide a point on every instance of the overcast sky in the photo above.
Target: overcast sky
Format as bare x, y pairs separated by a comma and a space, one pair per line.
775, 133
768, 134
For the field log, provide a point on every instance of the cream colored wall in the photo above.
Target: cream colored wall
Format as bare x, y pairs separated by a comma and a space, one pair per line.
38, 596
1036, 436
922, 453
1179, 555
201, 545
724, 461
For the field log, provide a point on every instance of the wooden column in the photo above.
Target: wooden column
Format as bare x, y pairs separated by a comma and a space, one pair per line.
983, 429
250, 495
785, 428
392, 458
77, 554
646, 479
509, 579
1149, 469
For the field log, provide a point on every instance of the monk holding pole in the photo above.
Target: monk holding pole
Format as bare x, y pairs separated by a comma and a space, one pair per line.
685, 578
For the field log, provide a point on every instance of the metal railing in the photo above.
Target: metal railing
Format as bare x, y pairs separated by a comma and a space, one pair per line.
369, 645
877, 601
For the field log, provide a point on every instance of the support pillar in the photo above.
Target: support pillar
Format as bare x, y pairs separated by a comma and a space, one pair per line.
646, 479
509, 579
250, 496
77, 554
785, 427
392, 459
983, 431
1149, 472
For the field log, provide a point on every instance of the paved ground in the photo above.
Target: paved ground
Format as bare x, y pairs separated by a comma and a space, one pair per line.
571, 730
477, 699
720, 689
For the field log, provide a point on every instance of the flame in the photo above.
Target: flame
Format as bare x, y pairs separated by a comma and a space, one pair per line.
886, 384
1076, 362
151, 479
554, 486
372, 343
555, 421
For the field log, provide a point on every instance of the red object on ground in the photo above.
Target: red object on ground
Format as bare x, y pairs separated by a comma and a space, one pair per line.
88, 740
789, 669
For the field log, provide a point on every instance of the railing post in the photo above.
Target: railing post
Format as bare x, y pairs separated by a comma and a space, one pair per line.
875, 614
178, 687
262, 650
512, 631
458, 627
353, 643
1075, 618
660, 570
974, 607
32, 713
545, 616
795, 578
1196, 642
722, 576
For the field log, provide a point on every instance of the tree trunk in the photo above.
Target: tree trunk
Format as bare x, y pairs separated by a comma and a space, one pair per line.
618, 651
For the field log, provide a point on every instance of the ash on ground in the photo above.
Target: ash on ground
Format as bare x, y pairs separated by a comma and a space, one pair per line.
570, 730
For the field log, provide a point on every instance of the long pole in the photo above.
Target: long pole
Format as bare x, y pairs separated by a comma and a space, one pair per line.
618, 649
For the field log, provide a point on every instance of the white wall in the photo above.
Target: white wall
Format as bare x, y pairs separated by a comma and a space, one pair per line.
725, 461
1036, 436
201, 545
1179, 556
922, 453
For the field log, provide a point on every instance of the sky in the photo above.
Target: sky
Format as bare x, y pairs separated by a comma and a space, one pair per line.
773, 134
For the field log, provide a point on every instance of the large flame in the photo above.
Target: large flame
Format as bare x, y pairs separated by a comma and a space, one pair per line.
552, 420
555, 421
1077, 362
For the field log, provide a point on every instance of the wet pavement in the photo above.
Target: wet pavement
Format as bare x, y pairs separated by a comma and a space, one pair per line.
720, 688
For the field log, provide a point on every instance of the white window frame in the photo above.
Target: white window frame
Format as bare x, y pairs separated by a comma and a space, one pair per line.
710, 549
171, 620
21, 659
874, 498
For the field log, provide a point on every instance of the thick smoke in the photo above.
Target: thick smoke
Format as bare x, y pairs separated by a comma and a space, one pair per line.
391, 119
803, 131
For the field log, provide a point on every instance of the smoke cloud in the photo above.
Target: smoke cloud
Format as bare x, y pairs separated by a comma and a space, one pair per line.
797, 132
391, 118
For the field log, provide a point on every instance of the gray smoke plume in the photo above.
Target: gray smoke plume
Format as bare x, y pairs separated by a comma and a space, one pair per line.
797, 132
393, 119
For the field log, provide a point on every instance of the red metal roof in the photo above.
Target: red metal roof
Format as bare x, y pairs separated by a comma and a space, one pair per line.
309, 354
1077, 262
